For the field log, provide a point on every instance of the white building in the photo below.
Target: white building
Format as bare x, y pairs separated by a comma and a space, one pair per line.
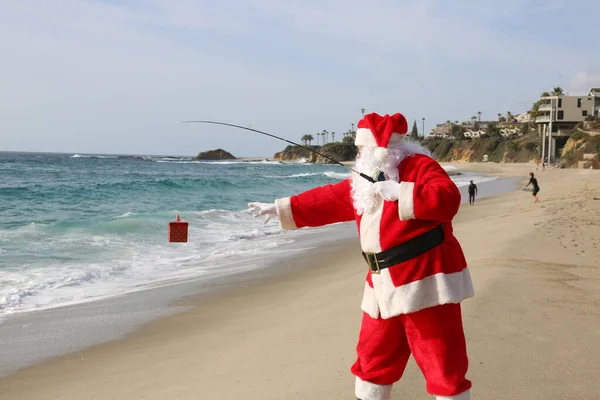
510, 131
524, 118
475, 134
558, 116
441, 135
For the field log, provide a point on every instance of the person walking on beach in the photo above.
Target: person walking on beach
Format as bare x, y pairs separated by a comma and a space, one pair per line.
472, 193
536, 189
416, 275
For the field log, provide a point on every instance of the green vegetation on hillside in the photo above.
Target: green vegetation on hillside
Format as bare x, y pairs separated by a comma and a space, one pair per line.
498, 149
521, 150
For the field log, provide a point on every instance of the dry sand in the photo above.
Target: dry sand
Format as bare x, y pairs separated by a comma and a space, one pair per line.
533, 327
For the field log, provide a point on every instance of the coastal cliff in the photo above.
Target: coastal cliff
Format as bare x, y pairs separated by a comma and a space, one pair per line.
582, 150
497, 149
295, 153
218, 154
336, 150
580, 147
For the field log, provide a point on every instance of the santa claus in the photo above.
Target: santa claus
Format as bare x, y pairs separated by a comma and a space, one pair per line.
417, 274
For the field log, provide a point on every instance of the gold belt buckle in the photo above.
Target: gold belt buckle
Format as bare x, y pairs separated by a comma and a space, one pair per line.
378, 271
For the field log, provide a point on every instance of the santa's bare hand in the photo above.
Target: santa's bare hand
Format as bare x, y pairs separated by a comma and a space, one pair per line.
388, 190
257, 209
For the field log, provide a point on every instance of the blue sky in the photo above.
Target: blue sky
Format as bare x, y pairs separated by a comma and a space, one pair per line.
92, 76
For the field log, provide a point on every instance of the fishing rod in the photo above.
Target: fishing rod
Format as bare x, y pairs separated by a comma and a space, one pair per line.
367, 177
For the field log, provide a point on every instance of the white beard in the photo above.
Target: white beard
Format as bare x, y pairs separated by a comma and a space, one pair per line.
364, 197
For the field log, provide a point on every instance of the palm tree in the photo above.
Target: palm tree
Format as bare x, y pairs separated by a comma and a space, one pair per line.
479, 114
499, 117
305, 139
310, 138
545, 94
558, 91
362, 110
325, 133
423, 119
535, 109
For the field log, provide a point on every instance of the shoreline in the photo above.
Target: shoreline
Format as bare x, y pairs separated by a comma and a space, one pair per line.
113, 318
130, 312
315, 296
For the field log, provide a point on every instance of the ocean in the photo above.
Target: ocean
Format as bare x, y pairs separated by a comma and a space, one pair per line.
76, 228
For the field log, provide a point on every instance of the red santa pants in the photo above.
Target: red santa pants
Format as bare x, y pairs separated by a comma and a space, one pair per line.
435, 338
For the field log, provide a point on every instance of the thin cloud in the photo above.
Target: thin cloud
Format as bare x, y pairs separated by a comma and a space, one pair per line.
582, 81
87, 75
383, 26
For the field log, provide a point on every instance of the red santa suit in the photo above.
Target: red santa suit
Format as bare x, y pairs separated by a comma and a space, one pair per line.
412, 307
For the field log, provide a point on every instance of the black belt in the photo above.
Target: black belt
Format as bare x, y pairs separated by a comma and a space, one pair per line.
405, 251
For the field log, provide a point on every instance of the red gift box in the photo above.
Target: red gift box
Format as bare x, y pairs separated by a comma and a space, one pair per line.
178, 231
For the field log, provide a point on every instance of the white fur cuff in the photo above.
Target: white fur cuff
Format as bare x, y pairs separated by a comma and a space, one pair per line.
369, 391
284, 212
463, 396
406, 208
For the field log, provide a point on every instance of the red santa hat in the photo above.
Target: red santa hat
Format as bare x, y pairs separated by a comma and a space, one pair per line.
381, 132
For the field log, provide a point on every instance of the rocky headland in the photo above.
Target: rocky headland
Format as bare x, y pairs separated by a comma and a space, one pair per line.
218, 154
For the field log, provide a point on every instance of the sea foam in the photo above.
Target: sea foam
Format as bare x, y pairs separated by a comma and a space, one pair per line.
77, 228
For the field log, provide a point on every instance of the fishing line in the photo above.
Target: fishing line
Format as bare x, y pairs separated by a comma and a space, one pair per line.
370, 179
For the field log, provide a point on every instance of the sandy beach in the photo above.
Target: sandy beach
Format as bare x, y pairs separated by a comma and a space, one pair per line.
532, 328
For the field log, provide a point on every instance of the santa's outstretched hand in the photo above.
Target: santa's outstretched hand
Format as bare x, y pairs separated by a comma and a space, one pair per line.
388, 190
257, 209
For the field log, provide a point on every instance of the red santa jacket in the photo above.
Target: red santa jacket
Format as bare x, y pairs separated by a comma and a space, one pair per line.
428, 197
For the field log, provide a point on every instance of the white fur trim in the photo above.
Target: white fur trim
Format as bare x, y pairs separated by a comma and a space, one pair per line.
284, 212
431, 291
463, 396
369, 228
406, 207
364, 137
369, 302
370, 391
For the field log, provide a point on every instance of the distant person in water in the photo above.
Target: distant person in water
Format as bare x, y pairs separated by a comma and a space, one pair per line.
472, 193
534, 183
